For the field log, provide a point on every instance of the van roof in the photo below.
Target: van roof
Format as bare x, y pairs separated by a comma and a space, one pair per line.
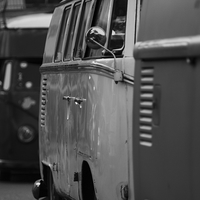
41, 20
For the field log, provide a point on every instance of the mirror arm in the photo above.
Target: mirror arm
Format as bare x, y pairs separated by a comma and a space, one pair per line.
118, 74
115, 67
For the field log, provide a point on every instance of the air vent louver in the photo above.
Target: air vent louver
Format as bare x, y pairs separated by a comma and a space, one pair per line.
146, 106
43, 101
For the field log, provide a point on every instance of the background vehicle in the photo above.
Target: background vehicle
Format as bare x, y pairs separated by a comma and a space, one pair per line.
22, 44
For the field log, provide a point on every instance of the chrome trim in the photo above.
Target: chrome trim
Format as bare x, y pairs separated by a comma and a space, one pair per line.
168, 48
93, 67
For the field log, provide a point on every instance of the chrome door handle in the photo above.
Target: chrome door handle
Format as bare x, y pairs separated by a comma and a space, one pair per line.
79, 100
68, 98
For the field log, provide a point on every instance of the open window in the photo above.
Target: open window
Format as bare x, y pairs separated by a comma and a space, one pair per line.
118, 26
100, 19
113, 23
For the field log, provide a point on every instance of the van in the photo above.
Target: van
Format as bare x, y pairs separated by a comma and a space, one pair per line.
86, 100
22, 44
119, 107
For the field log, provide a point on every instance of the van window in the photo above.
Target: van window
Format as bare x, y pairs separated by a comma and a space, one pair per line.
68, 46
7, 79
117, 26
78, 52
58, 54
101, 16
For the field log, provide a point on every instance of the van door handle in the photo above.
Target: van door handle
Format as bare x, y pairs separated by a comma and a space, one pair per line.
78, 101
68, 98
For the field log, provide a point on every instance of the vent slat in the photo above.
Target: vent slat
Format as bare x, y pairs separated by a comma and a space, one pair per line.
146, 112
43, 101
146, 136
145, 128
146, 106
146, 96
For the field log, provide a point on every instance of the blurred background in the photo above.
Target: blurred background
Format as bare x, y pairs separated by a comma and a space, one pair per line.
12, 8
21, 52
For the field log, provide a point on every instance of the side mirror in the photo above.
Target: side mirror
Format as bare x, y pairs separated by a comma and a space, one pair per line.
95, 37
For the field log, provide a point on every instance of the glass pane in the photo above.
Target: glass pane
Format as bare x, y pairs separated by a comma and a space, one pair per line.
118, 25
82, 30
71, 32
7, 79
101, 15
58, 54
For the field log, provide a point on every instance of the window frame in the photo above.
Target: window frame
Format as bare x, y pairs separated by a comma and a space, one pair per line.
117, 50
61, 30
108, 34
66, 38
79, 26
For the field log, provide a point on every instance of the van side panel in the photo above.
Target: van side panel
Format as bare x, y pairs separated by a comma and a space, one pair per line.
162, 19
95, 131
166, 101
166, 155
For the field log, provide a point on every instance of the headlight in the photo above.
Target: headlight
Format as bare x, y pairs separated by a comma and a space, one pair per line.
26, 134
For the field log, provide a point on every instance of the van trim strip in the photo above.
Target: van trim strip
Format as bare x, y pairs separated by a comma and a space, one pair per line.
168, 48
95, 68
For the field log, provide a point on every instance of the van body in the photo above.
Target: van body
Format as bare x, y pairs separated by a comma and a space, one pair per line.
86, 100
119, 105
21, 50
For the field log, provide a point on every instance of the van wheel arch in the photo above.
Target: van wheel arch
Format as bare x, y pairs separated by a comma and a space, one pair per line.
48, 179
87, 183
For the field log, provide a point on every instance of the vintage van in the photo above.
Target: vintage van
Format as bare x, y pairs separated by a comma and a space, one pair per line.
22, 43
111, 128
86, 100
